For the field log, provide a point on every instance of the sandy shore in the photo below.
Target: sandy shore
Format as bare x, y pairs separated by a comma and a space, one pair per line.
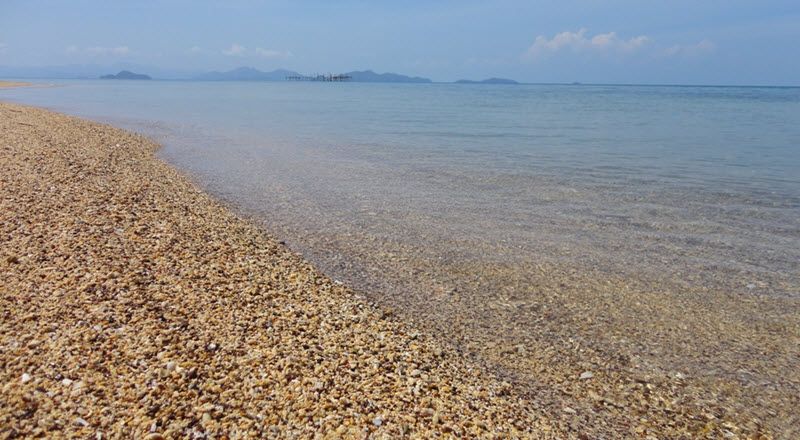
9, 84
133, 303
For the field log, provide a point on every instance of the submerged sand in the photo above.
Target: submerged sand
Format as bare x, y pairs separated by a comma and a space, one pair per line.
133, 303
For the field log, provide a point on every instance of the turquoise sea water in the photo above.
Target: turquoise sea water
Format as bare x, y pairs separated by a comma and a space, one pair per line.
692, 184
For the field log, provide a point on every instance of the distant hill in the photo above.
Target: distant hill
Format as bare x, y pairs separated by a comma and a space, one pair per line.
370, 76
488, 81
89, 71
252, 74
126, 74
247, 74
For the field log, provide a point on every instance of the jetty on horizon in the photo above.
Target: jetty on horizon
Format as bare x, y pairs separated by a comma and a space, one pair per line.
327, 78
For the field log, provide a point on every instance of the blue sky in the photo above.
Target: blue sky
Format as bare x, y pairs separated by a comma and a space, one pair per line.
699, 41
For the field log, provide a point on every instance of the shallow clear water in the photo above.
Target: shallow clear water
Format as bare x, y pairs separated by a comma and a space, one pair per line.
694, 184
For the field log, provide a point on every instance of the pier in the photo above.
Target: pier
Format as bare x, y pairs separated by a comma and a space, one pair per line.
327, 78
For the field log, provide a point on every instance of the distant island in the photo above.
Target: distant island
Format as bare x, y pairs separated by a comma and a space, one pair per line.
487, 81
243, 73
126, 74
370, 76
253, 74
246, 74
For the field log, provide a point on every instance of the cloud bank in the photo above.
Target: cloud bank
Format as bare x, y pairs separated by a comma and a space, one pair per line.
272, 53
99, 50
581, 41
236, 50
699, 48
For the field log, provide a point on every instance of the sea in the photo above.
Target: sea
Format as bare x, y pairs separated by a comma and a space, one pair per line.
689, 182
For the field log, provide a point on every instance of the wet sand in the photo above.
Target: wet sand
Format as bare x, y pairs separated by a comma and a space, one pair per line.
659, 351
693, 291
173, 314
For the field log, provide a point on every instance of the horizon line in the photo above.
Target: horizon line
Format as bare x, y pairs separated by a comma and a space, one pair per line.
477, 83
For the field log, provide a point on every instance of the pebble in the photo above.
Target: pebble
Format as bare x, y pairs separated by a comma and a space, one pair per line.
587, 375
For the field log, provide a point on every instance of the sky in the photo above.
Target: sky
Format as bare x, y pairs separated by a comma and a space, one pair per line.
591, 41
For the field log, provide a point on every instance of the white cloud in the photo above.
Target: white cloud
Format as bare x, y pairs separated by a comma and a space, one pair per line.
195, 49
98, 50
235, 50
272, 53
612, 41
580, 41
699, 48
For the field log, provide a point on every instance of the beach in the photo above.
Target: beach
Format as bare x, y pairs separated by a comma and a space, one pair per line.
9, 84
134, 304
